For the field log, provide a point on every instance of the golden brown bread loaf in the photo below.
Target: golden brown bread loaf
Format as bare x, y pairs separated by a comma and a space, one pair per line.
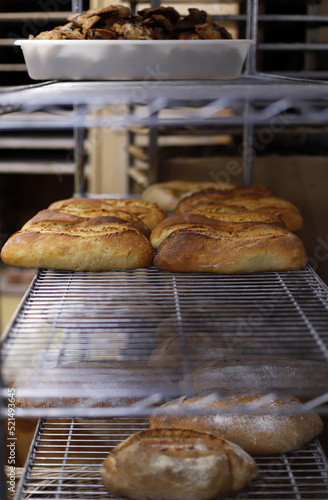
83, 234
95, 245
170, 464
248, 198
278, 426
168, 194
221, 247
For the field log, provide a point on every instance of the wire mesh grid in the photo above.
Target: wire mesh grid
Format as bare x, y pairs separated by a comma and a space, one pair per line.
75, 333
298, 101
67, 454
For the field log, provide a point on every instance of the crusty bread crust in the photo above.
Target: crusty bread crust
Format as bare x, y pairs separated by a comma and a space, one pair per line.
240, 248
276, 430
94, 245
170, 464
216, 220
85, 234
150, 213
59, 218
243, 199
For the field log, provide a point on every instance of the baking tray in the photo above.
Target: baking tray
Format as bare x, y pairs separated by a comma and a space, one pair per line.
134, 59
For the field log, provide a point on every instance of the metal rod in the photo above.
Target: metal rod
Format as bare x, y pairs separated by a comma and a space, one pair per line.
79, 159
248, 154
153, 154
77, 6
251, 34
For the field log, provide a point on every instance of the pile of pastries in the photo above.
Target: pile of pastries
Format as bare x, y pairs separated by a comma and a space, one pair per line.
116, 22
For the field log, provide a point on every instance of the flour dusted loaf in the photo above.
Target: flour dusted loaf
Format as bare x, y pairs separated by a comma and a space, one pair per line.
276, 430
170, 464
103, 383
168, 194
243, 199
82, 234
302, 378
201, 244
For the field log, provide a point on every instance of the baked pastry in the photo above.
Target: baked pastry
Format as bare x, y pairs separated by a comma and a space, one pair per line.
170, 464
168, 194
277, 425
220, 247
303, 378
83, 234
117, 22
248, 198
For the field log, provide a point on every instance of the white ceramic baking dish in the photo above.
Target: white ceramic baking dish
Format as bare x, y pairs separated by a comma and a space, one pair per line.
134, 59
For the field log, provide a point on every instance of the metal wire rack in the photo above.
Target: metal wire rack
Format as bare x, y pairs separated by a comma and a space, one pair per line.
255, 99
114, 336
66, 456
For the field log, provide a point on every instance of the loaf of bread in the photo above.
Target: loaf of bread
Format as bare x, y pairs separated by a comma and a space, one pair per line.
302, 378
248, 198
276, 425
221, 247
170, 464
168, 194
83, 234
103, 383
205, 340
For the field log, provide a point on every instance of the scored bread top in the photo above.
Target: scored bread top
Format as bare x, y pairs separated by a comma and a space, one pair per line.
230, 222
170, 464
260, 424
96, 244
61, 219
150, 213
252, 198
239, 248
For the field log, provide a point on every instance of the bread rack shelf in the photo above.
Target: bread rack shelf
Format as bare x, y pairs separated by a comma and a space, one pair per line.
68, 468
257, 99
71, 318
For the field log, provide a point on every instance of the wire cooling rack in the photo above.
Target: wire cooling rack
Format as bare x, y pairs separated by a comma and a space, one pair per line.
67, 454
75, 333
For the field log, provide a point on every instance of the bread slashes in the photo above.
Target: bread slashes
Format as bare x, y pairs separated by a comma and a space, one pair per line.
170, 464
277, 424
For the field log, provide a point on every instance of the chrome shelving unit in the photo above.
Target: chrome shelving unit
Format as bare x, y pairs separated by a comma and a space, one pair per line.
251, 101
68, 318
87, 335
68, 468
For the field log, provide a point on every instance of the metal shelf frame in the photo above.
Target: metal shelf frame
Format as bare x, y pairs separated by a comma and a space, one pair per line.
291, 309
68, 467
68, 318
